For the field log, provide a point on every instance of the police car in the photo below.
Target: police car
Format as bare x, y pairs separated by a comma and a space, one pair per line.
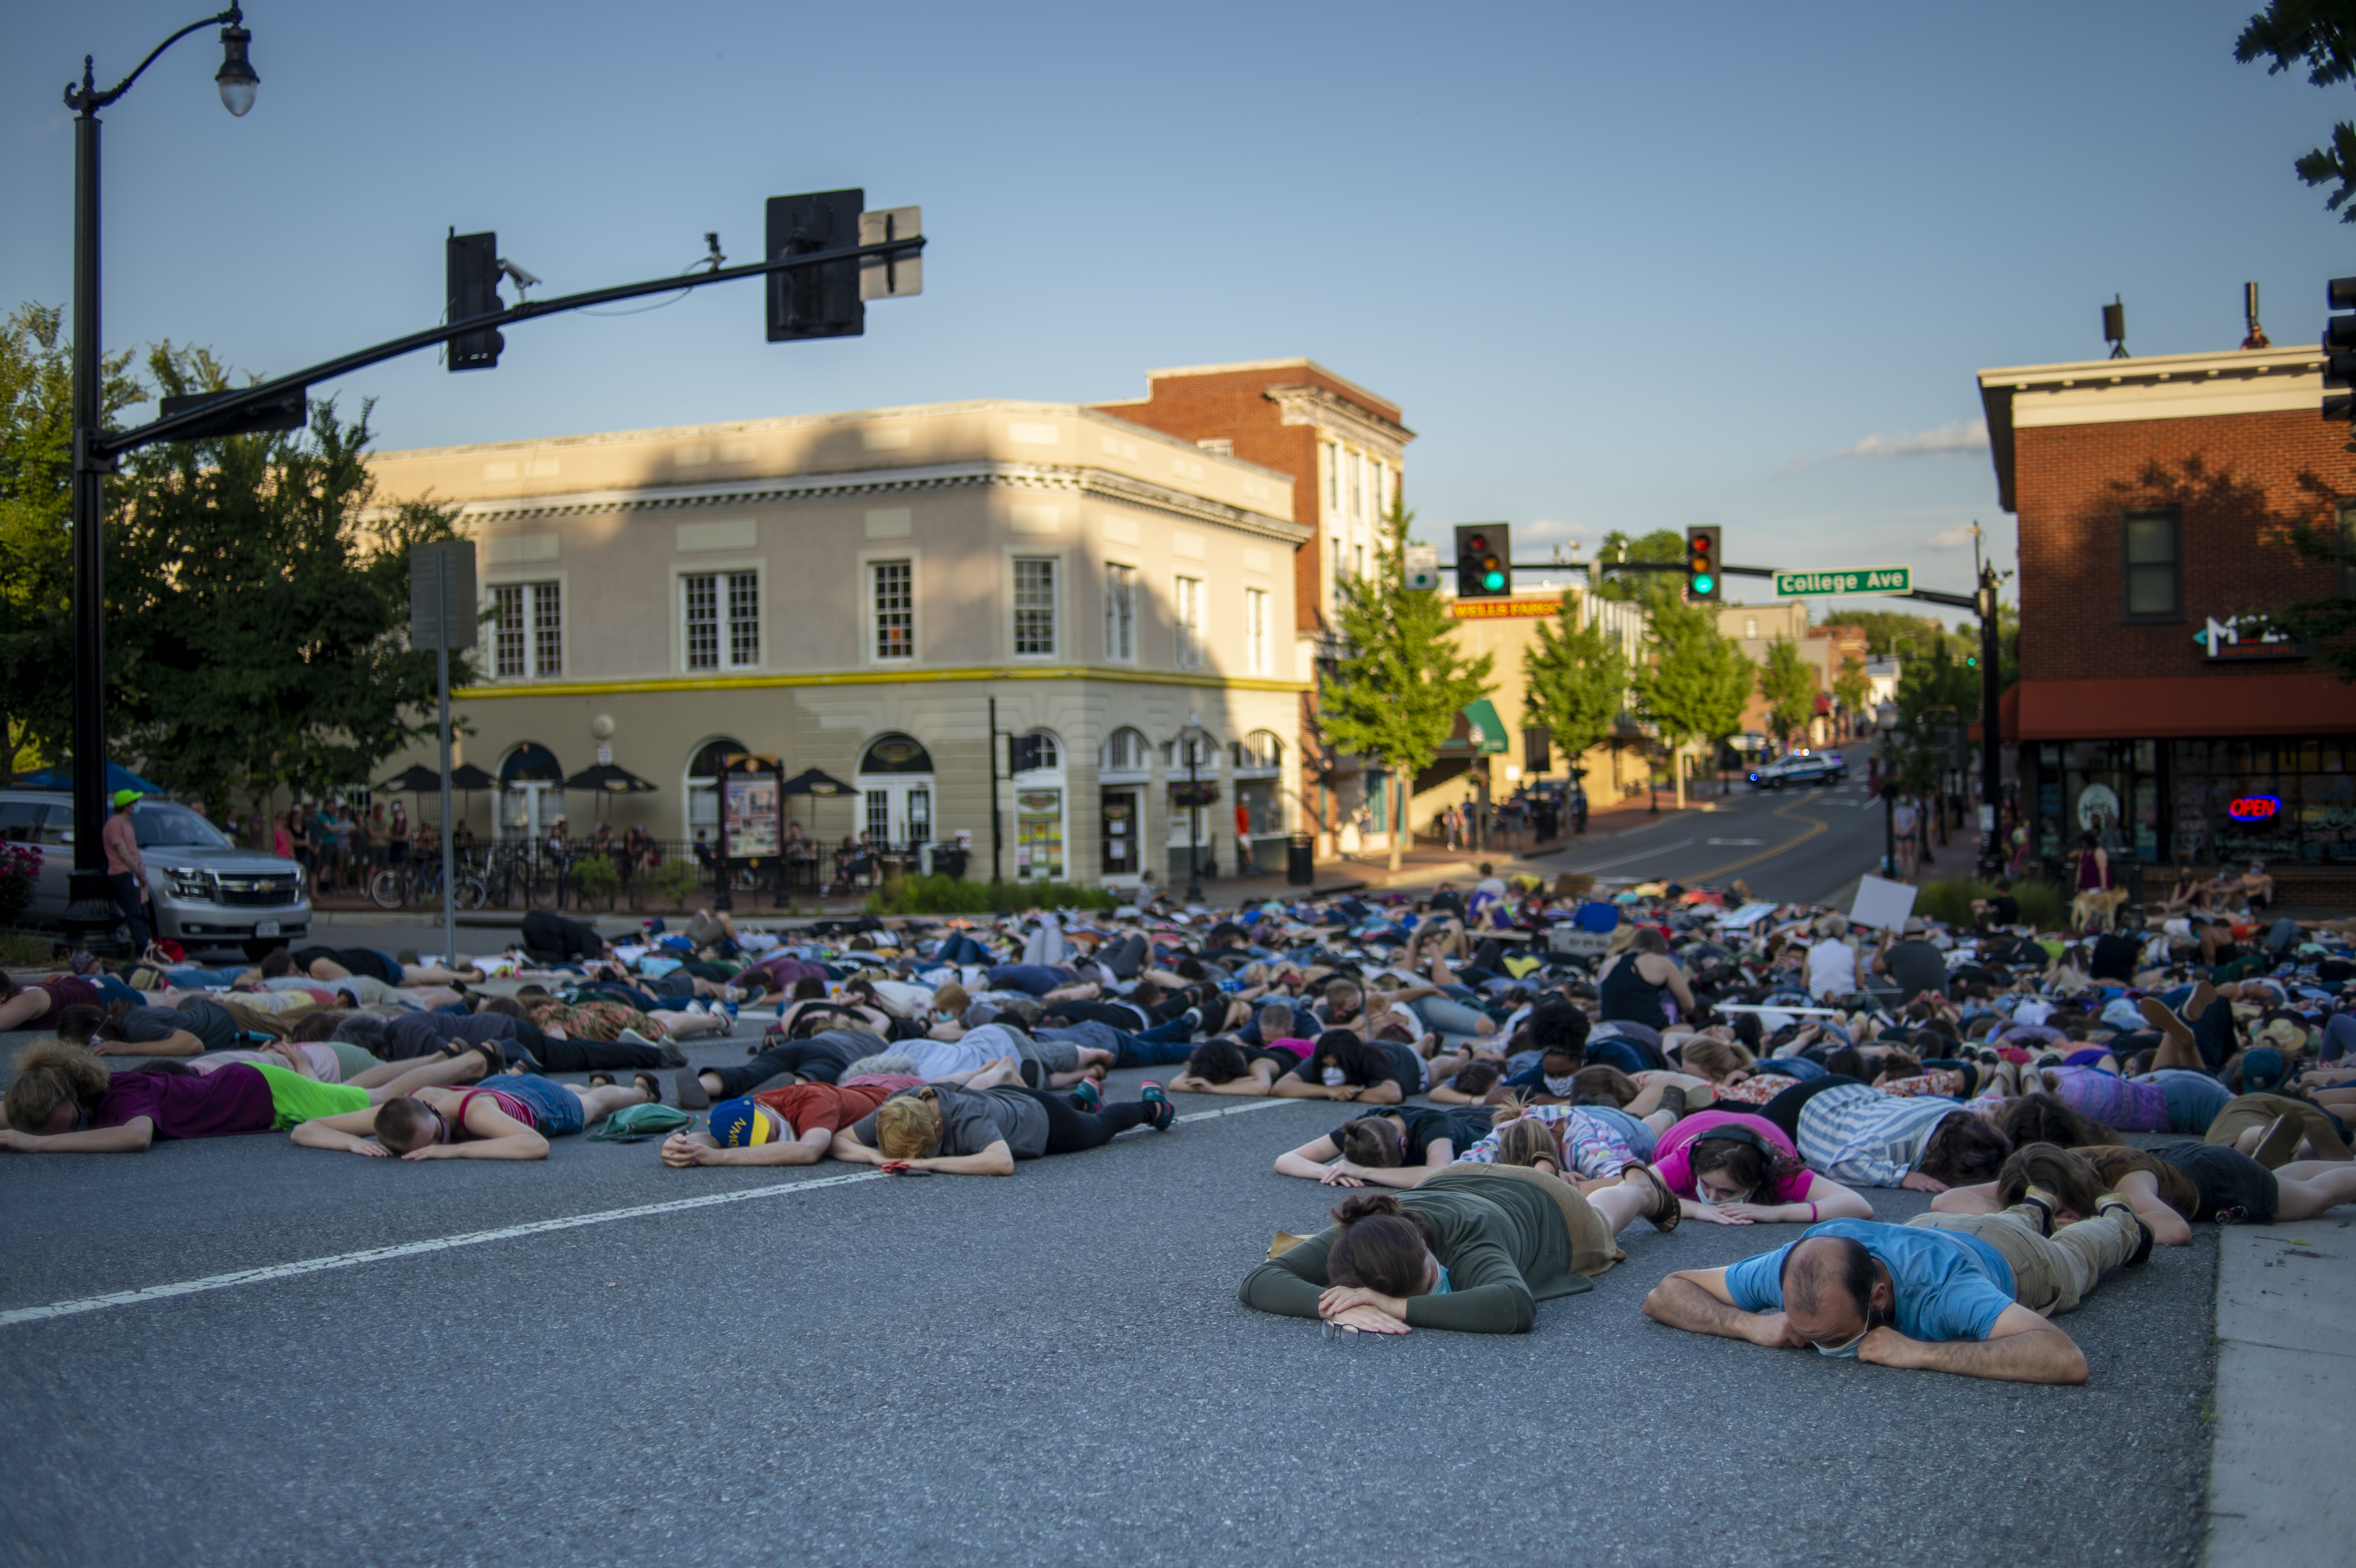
1800, 768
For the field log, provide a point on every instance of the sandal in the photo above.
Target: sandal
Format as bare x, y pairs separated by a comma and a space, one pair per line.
1666, 1211
650, 1085
601, 1081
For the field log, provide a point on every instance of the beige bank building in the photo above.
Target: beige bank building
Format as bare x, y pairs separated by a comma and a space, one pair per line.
850, 592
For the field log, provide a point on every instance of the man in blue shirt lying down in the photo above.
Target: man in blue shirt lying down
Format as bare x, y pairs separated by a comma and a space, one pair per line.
1972, 1298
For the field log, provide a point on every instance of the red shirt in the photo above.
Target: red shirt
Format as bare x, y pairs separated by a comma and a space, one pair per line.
833, 1107
121, 845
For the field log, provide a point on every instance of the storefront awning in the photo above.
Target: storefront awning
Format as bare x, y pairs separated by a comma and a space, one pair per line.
2294, 702
1485, 729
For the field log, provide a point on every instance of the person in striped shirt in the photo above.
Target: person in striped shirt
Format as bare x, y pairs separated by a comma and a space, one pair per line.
1855, 1133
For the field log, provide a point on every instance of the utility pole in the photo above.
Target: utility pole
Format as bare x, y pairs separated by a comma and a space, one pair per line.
1991, 722
997, 835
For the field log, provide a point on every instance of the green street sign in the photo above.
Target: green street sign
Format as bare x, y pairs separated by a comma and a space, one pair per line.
1844, 579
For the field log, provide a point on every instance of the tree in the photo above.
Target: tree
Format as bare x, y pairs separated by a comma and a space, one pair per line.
1696, 682
1396, 696
1788, 683
1575, 681
1650, 589
257, 595
2329, 623
2321, 34
1895, 631
1852, 687
36, 526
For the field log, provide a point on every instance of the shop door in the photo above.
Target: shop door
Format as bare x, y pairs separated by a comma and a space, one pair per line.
1039, 835
1121, 854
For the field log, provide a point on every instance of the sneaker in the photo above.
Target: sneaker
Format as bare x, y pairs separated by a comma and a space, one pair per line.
2145, 1237
1087, 1095
1163, 1113
2045, 1203
2281, 1142
672, 1056
632, 1037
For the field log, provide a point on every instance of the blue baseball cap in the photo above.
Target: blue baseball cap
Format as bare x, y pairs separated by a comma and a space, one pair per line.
738, 1123
2261, 1070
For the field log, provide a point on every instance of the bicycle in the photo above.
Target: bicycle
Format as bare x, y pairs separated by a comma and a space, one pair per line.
419, 882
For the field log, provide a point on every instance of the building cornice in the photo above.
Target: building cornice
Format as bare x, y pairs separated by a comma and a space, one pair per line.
1120, 674
2160, 387
1101, 484
1323, 409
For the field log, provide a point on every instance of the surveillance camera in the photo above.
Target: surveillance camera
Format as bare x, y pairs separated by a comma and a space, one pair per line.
521, 279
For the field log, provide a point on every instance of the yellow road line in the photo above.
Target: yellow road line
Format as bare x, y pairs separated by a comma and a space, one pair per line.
1764, 853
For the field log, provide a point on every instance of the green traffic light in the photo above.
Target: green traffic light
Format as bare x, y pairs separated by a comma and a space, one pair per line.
1704, 583
1495, 581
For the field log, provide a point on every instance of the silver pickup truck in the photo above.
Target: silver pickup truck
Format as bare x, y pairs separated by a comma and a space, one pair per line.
209, 893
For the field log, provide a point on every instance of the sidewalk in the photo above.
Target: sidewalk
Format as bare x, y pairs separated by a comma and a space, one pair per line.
2285, 1374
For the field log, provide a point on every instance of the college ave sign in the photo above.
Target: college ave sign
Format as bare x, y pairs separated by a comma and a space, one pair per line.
1845, 579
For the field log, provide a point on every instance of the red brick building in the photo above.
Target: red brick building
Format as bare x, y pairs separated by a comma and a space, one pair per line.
1346, 450
2158, 500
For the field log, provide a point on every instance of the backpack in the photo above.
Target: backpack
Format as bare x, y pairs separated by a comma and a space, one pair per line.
635, 1123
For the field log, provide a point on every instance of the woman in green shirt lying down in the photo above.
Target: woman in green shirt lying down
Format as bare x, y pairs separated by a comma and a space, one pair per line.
1474, 1248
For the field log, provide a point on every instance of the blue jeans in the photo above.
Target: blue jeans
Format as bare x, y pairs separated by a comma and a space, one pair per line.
130, 895
114, 990
189, 977
556, 1108
1641, 1139
1442, 1016
2193, 1098
2338, 1037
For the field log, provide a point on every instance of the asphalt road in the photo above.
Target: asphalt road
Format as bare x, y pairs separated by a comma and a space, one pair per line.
1051, 1368
1790, 846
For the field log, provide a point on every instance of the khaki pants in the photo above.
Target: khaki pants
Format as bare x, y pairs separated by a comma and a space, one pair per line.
2244, 1112
2050, 1276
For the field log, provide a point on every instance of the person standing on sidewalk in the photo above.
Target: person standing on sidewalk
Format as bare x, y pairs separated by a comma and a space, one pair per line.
1245, 864
125, 869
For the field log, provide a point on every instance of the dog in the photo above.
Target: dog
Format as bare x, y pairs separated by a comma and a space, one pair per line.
2097, 906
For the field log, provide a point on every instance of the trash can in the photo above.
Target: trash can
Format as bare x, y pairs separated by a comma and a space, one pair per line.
948, 860
1300, 860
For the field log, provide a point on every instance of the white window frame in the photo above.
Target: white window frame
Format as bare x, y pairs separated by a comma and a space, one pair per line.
1122, 651
531, 670
1062, 621
1256, 635
1141, 773
723, 569
1188, 621
868, 561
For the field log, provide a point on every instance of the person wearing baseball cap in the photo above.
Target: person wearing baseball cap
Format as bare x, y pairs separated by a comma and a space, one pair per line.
125, 869
781, 1126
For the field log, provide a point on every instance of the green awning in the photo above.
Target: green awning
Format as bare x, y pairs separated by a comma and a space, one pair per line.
1485, 729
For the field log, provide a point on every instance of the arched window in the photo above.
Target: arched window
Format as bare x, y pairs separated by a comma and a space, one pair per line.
1259, 751
1037, 752
1202, 754
532, 791
896, 753
896, 787
703, 781
1125, 752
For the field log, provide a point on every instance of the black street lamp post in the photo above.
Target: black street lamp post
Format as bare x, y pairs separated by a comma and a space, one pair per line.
91, 909
1191, 738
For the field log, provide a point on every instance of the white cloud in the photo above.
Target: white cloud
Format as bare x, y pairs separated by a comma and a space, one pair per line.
1550, 530
1963, 438
1956, 537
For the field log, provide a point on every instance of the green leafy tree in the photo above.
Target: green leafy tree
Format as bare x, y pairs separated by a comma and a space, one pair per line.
257, 593
1695, 683
1788, 683
1397, 693
1650, 589
2321, 35
36, 530
1852, 687
1575, 681
2328, 622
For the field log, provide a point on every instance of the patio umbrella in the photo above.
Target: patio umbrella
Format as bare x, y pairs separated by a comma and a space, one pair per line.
417, 781
117, 777
814, 781
606, 779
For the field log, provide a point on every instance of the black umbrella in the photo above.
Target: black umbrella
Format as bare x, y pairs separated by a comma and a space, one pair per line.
813, 781
608, 779
469, 777
417, 781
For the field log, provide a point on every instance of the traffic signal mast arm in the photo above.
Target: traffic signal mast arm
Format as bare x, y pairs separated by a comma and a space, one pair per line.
191, 423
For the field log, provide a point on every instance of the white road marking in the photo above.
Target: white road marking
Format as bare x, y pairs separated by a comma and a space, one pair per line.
473, 1238
1734, 841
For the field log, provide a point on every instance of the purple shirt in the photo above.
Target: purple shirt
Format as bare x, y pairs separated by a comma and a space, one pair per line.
235, 1099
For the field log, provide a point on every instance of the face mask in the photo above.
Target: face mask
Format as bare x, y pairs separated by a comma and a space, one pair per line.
1440, 1286
1845, 1352
1335, 1077
1559, 1087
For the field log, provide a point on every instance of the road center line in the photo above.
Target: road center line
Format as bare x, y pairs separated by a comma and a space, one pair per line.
472, 1238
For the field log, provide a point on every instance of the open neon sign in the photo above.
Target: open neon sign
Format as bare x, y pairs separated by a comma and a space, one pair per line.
2254, 808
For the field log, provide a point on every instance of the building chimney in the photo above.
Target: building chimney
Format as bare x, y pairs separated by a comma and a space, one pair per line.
2257, 338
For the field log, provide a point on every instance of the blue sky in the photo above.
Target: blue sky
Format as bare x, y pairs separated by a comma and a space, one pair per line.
1626, 267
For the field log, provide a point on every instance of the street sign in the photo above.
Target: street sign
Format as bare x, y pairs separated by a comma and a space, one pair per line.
1844, 579
442, 594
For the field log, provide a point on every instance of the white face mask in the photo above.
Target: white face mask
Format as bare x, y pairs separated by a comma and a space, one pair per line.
1559, 1087
1335, 1077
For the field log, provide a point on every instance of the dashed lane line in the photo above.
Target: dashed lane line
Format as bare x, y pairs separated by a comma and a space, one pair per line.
268, 1272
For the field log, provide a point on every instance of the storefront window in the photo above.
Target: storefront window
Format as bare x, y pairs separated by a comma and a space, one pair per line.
2264, 800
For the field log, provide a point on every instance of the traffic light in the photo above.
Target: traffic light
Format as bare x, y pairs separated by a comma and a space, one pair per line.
1704, 577
1484, 561
473, 277
814, 301
2339, 351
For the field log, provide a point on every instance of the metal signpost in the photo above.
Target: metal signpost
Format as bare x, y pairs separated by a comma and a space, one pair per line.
441, 617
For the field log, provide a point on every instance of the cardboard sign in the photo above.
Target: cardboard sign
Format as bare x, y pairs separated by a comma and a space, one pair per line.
1881, 903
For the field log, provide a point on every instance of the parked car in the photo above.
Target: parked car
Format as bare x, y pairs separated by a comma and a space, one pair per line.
1801, 768
209, 893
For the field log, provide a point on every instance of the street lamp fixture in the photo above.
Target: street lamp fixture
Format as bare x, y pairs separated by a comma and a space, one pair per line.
1193, 738
91, 909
